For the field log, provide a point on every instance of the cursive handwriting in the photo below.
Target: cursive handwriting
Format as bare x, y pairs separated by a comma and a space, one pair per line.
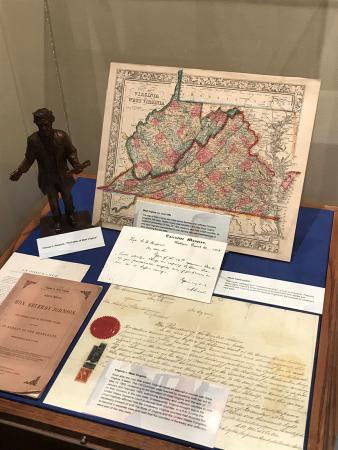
268, 394
156, 261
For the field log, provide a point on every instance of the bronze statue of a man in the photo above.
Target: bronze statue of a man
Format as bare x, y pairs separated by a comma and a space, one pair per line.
52, 149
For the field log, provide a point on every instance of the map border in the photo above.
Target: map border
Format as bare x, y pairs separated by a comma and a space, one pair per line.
120, 73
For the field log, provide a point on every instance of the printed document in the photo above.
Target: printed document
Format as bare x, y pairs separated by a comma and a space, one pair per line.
188, 408
38, 320
20, 263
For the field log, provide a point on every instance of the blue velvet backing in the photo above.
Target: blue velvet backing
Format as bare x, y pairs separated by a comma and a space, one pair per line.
308, 265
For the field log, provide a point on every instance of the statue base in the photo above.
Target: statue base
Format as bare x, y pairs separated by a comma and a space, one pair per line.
47, 224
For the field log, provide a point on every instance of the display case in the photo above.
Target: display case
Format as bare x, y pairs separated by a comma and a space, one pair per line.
57, 54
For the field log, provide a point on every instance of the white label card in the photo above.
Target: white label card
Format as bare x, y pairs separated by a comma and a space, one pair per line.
180, 220
164, 262
72, 242
167, 403
273, 292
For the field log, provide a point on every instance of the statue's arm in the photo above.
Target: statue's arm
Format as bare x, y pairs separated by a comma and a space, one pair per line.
72, 156
26, 163
71, 152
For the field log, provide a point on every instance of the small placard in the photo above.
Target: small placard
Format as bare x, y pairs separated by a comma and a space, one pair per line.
270, 291
168, 403
181, 220
76, 241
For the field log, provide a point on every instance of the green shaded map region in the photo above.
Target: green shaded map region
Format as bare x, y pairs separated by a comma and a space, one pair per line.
179, 156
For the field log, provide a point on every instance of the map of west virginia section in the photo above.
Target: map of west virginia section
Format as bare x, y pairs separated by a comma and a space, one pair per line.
233, 143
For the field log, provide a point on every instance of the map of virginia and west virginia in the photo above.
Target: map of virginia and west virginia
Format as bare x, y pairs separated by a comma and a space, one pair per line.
233, 143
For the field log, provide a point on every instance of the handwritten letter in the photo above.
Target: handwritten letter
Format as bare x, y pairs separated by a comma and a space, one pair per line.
165, 262
263, 355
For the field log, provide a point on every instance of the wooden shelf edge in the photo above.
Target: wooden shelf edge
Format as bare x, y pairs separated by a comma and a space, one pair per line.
324, 421
75, 427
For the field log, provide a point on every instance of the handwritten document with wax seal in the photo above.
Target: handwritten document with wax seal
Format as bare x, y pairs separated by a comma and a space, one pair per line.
262, 355
168, 263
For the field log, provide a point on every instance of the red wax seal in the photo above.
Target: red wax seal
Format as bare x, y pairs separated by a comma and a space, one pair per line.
105, 327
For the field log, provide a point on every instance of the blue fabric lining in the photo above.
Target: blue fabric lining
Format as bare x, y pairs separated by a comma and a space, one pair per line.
308, 265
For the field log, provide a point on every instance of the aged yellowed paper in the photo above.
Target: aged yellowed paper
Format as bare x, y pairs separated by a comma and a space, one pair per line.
263, 355
233, 142
38, 320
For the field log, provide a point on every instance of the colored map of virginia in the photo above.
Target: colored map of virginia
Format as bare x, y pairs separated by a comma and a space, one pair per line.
180, 157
